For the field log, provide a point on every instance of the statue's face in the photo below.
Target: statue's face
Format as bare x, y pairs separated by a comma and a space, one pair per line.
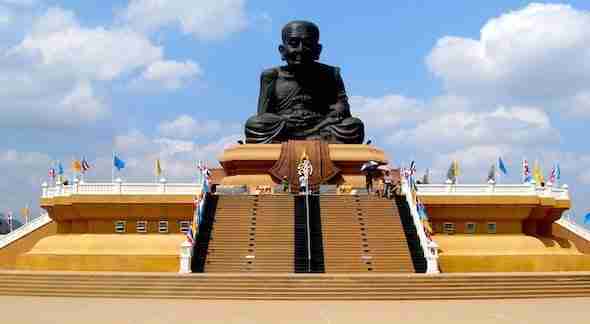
300, 45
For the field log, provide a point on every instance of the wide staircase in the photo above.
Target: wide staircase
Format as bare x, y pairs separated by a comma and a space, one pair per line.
388, 243
274, 234
345, 241
231, 246
363, 234
295, 286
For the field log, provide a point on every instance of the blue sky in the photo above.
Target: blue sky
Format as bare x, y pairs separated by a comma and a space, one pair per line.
176, 79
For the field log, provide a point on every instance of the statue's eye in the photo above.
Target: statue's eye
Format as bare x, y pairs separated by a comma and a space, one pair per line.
308, 43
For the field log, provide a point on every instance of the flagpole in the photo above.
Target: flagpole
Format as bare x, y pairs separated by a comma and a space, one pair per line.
499, 171
113, 168
73, 169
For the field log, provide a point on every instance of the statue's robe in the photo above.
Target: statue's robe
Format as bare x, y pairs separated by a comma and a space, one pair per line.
301, 106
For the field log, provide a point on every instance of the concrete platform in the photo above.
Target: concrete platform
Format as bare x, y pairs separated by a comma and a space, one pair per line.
99, 310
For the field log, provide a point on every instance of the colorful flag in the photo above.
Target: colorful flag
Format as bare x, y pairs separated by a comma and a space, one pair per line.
76, 166
25, 213
205, 173
60, 169
421, 210
84, 164
9, 217
502, 166
526, 171
190, 236
52, 173
453, 172
158, 168
118, 163
537, 173
412, 168
555, 173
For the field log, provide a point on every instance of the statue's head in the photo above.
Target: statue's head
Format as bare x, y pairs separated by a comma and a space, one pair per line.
300, 43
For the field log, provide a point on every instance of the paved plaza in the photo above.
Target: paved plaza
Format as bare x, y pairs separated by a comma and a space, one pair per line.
94, 310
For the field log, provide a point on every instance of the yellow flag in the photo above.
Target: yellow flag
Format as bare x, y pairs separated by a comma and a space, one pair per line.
158, 168
25, 213
456, 168
76, 166
537, 173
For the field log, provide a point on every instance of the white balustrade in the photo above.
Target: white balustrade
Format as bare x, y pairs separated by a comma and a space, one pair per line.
429, 247
121, 188
492, 189
574, 228
186, 254
25, 229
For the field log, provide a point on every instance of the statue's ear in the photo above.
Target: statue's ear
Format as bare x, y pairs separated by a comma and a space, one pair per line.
283, 52
318, 51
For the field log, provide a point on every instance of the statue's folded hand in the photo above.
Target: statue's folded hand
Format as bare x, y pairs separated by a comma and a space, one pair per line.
335, 114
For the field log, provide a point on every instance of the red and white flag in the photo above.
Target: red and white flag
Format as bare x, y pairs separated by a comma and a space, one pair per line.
526, 171
84, 165
52, 173
9, 215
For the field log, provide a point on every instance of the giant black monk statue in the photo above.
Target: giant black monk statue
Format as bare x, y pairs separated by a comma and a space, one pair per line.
304, 99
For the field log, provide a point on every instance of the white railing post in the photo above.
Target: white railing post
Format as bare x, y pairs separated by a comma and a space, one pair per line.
119, 186
75, 185
186, 254
429, 247
162, 185
44, 190
59, 186
491, 185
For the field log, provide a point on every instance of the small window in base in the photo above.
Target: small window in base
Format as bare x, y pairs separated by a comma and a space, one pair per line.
120, 226
492, 227
141, 226
470, 228
163, 226
449, 228
184, 226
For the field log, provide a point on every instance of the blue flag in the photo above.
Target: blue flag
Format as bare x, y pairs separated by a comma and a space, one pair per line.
118, 163
501, 166
60, 169
587, 219
557, 172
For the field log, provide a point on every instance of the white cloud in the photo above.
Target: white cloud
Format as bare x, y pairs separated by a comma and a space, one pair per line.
83, 103
171, 74
541, 52
21, 181
19, 3
579, 105
205, 19
186, 127
514, 126
51, 76
178, 156
58, 40
387, 111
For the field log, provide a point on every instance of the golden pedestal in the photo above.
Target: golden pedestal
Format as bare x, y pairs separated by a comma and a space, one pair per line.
249, 164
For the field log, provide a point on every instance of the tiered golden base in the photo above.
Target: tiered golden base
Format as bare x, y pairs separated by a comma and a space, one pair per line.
249, 164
